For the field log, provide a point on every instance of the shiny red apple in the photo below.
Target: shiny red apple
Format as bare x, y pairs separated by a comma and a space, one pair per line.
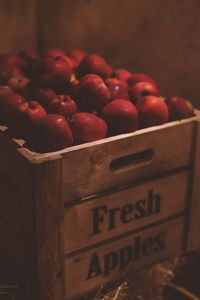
141, 89
87, 127
138, 77
118, 89
122, 74
8, 105
63, 105
50, 133
53, 71
121, 116
152, 111
26, 114
179, 108
94, 64
92, 93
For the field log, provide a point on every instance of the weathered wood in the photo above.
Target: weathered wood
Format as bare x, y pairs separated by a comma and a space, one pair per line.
98, 219
170, 144
113, 261
44, 182
193, 242
49, 214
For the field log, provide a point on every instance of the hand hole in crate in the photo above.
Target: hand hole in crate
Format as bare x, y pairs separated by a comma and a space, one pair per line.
132, 160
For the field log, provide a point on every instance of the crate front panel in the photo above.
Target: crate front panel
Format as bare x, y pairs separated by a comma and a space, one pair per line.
115, 260
87, 170
107, 216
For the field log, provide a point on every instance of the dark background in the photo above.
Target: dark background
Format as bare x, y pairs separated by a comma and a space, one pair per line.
161, 38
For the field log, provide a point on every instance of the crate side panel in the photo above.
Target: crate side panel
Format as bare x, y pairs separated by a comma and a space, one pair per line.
193, 242
122, 211
116, 260
49, 221
87, 170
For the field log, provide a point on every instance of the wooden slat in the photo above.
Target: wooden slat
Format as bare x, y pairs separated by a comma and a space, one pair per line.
115, 260
87, 170
193, 242
39, 188
49, 213
108, 216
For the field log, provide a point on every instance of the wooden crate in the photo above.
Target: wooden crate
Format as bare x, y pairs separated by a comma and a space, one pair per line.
86, 216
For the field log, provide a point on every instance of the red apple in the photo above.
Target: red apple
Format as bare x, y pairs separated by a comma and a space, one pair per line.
31, 58
50, 133
10, 59
152, 111
19, 84
179, 108
141, 89
25, 115
122, 74
121, 116
8, 104
7, 72
57, 54
87, 127
94, 64
138, 77
53, 52
53, 70
76, 55
92, 93
118, 89
62, 105
44, 96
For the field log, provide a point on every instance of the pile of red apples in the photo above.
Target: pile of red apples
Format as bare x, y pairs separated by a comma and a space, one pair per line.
54, 100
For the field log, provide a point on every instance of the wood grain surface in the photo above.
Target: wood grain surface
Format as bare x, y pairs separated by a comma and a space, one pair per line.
49, 212
171, 145
194, 220
18, 23
95, 268
89, 222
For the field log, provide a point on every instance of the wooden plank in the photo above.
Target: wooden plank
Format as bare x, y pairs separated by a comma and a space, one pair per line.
88, 170
18, 21
193, 242
49, 213
38, 185
107, 216
110, 262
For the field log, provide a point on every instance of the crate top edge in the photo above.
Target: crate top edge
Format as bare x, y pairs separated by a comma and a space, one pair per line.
38, 158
